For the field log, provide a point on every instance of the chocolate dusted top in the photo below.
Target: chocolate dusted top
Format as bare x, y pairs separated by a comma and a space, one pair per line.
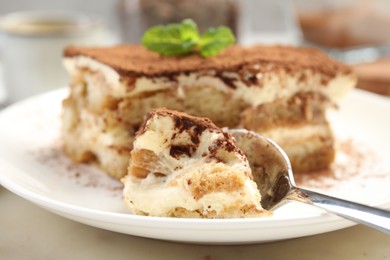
183, 121
135, 60
194, 126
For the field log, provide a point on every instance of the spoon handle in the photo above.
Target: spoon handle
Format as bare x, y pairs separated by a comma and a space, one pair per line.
363, 214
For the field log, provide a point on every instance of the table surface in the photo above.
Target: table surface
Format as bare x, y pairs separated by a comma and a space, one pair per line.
30, 232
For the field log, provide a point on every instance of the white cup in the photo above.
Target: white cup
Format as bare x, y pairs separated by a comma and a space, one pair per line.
33, 44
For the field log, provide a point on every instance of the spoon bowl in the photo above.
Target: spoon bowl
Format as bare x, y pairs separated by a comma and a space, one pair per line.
272, 172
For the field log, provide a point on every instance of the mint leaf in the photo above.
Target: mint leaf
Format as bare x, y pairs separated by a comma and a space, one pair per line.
214, 40
172, 39
183, 38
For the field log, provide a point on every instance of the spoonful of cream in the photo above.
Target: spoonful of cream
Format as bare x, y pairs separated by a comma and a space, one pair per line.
273, 175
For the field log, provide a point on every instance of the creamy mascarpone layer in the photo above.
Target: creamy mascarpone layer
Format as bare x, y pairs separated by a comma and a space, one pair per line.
155, 196
274, 85
288, 135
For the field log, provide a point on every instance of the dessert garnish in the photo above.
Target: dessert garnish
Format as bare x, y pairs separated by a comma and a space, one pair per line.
183, 38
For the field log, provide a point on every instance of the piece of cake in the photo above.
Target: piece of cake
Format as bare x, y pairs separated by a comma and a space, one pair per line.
185, 166
281, 92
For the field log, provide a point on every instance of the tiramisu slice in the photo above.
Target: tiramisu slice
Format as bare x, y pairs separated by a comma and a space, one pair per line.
282, 92
185, 166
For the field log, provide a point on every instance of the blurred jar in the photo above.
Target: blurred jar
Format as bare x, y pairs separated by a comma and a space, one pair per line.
356, 32
344, 23
268, 22
136, 16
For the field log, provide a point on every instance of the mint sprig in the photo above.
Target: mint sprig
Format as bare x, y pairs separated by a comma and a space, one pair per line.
214, 40
184, 38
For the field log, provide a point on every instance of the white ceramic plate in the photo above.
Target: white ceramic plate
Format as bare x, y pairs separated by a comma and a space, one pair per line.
33, 166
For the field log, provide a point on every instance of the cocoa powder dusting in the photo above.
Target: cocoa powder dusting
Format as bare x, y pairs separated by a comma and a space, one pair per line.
353, 161
135, 61
85, 176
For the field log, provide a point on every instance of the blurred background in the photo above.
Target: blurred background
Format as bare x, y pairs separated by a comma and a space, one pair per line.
356, 32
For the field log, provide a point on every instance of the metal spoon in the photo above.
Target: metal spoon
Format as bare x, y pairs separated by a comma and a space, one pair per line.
273, 174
